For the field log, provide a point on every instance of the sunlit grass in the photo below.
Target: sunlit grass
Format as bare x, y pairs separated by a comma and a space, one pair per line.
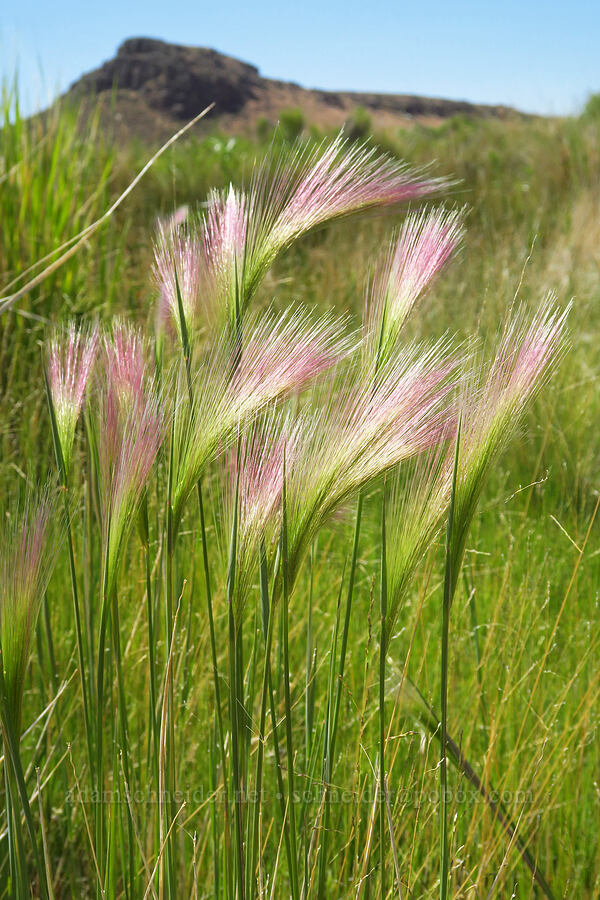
523, 683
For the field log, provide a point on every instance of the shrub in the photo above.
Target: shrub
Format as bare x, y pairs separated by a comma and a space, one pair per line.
291, 123
358, 126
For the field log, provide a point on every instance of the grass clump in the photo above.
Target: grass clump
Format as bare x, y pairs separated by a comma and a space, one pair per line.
233, 688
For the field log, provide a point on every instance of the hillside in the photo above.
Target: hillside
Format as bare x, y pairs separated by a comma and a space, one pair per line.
150, 87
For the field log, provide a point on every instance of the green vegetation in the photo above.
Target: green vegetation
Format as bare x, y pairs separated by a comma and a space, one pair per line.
291, 123
359, 125
592, 107
524, 684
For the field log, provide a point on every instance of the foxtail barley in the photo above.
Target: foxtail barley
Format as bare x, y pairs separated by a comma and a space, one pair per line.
180, 269
414, 257
493, 405
492, 408
363, 431
70, 358
289, 194
128, 424
28, 547
280, 356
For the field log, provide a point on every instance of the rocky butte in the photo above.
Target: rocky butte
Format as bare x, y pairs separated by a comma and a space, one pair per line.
151, 87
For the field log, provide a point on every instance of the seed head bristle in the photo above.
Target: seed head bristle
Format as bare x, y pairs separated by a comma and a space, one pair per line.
70, 358
412, 260
29, 544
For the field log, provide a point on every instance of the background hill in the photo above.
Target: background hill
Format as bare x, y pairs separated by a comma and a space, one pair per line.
150, 87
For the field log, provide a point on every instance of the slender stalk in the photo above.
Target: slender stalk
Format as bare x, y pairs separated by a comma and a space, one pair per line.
124, 742
16, 850
443, 740
169, 699
216, 686
308, 710
213, 810
326, 767
154, 740
249, 695
333, 719
99, 769
62, 471
289, 847
187, 353
50, 644
287, 696
475, 634
79, 636
344, 646
447, 603
267, 626
268, 694
382, 649
88, 553
234, 701
308, 686
143, 518
16, 782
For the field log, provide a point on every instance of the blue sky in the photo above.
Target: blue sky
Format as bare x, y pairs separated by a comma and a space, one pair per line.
537, 56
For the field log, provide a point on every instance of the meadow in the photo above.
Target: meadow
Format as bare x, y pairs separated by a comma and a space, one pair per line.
200, 692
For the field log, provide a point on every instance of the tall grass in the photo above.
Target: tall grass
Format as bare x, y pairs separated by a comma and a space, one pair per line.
55, 175
260, 668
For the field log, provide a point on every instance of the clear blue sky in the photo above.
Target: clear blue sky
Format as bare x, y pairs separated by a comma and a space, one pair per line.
537, 56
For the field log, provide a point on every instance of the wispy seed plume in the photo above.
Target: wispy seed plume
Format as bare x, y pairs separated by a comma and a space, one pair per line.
290, 194
280, 356
70, 357
28, 547
125, 357
128, 429
493, 405
180, 274
414, 257
255, 470
284, 353
364, 429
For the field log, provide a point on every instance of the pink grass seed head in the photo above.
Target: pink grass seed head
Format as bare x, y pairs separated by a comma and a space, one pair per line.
414, 257
70, 358
28, 547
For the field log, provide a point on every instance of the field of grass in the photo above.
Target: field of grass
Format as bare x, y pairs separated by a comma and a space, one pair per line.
524, 682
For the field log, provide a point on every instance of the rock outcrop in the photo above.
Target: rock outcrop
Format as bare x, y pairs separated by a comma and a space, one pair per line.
150, 87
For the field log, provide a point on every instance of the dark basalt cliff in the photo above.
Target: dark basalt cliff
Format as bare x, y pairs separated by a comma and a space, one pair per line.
181, 81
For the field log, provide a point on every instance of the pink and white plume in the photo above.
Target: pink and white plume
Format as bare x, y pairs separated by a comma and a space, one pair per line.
529, 349
224, 235
70, 358
493, 404
365, 428
255, 473
244, 231
28, 547
414, 257
180, 275
280, 355
126, 366
130, 426
284, 353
